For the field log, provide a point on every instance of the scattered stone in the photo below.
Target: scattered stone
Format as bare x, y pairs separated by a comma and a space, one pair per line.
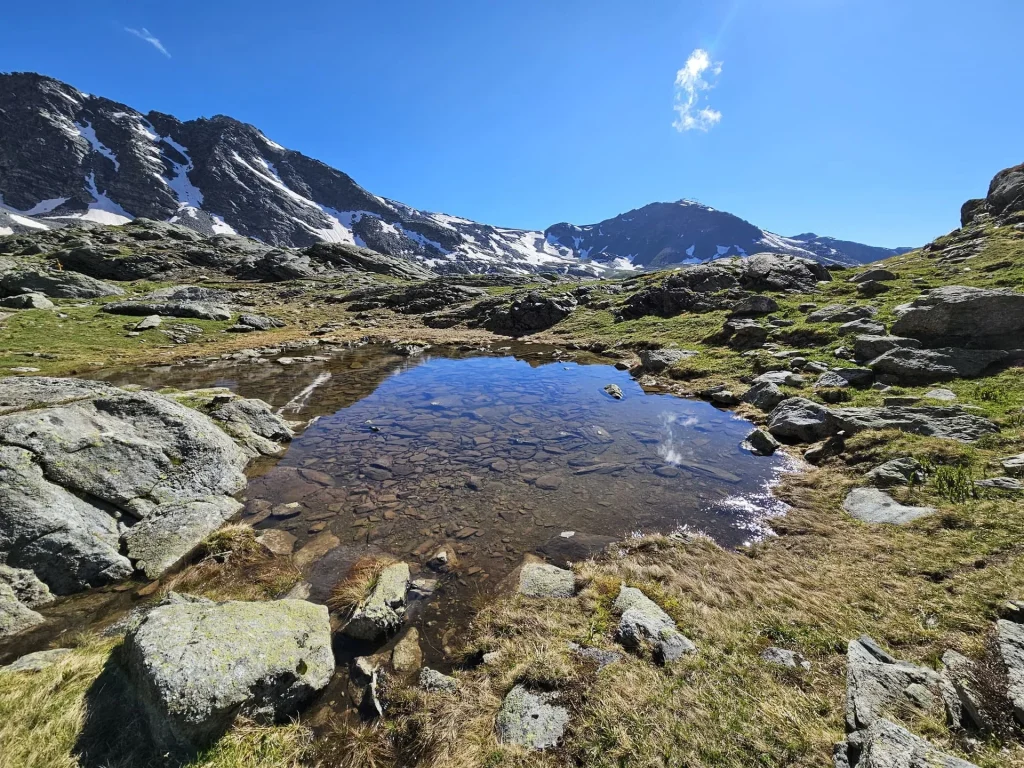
755, 304
897, 472
764, 395
545, 580
743, 334
946, 395
657, 360
196, 666
37, 662
963, 705
532, 720
434, 682
260, 322
407, 657
277, 541
762, 442
862, 326
782, 657
841, 378
598, 655
1013, 465
384, 610
877, 273
871, 505
644, 623
1000, 483
838, 313
548, 482
148, 323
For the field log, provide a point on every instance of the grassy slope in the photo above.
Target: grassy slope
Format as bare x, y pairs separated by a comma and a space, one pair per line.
934, 585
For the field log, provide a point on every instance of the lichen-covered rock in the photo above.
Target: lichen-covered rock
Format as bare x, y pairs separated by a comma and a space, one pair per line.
196, 666
57, 285
188, 309
254, 425
931, 421
887, 745
782, 657
762, 442
433, 681
1013, 465
763, 395
38, 661
871, 505
27, 301
384, 610
532, 720
545, 580
869, 346
27, 587
645, 623
878, 685
15, 616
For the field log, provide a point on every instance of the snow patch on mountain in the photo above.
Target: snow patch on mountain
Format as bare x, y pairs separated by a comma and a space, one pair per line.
86, 131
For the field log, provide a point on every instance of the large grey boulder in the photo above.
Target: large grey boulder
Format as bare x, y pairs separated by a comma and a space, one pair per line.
531, 720
961, 316
27, 301
887, 745
924, 366
870, 505
190, 309
1010, 643
931, 421
196, 666
56, 285
384, 610
89, 472
869, 346
1005, 197
545, 580
879, 685
657, 360
645, 623
26, 586
800, 419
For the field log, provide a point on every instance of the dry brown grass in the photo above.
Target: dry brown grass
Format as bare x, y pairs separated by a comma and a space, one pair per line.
349, 593
919, 590
231, 565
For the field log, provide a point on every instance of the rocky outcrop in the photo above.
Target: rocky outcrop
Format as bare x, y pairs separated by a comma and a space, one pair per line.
90, 473
801, 420
188, 309
897, 472
925, 366
868, 346
533, 312
961, 316
197, 666
1010, 644
56, 285
841, 313
887, 745
383, 611
644, 624
27, 301
1004, 199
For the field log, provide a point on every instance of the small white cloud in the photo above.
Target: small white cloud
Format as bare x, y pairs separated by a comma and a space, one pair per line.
144, 34
697, 75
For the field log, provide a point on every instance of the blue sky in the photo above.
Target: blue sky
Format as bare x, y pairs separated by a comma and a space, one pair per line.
864, 119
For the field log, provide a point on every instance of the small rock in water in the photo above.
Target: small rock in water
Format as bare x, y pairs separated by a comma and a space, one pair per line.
614, 391
278, 542
384, 610
548, 482
762, 442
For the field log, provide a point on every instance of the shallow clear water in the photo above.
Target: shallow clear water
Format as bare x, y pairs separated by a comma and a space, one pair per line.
493, 454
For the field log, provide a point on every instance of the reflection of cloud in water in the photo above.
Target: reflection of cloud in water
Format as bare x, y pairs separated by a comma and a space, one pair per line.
298, 402
674, 425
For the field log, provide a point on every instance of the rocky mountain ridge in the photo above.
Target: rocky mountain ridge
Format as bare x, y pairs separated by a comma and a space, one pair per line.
68, 157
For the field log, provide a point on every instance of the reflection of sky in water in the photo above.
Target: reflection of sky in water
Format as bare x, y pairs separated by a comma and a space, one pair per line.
675, 426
